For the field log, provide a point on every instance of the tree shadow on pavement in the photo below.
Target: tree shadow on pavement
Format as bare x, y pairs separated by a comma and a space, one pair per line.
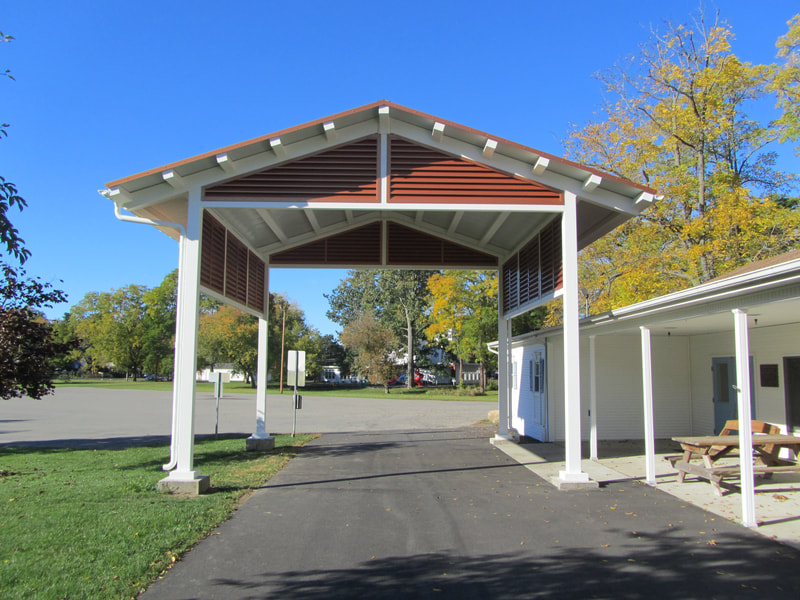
669, 565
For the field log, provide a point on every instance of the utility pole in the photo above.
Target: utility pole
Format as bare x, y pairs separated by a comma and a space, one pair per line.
283, 337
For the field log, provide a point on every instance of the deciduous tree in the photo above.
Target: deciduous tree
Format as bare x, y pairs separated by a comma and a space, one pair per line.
27, 347
677, 120
372, 343
397, 298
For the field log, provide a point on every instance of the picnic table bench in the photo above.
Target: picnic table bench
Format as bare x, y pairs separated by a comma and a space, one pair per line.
712, 448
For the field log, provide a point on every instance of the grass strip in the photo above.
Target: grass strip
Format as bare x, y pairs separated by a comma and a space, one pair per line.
468, 393
91, 524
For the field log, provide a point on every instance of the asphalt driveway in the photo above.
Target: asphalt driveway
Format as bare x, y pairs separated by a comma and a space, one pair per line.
443, 514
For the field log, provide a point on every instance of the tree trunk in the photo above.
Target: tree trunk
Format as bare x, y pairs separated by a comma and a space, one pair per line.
483, 378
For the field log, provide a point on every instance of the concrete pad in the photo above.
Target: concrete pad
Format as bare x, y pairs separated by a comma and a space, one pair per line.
777, 499
254, 444
192, 487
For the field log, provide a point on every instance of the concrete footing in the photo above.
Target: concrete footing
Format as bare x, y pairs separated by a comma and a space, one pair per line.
574, 486
256, 444
194, 487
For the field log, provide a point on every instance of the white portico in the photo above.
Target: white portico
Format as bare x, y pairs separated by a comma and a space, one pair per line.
380, 186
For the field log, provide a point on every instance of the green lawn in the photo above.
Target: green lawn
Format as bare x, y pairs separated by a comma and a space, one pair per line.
90, 523
425, 393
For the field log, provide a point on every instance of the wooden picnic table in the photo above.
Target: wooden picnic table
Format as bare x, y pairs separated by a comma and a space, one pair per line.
711, 448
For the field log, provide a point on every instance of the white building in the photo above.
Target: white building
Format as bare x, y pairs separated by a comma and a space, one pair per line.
692, 343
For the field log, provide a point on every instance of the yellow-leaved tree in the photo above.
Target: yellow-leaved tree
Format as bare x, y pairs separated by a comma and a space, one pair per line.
676, 120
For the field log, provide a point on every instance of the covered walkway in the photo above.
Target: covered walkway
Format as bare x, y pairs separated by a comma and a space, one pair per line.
380, 186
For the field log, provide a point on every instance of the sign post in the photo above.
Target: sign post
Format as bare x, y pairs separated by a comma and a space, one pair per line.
296, 377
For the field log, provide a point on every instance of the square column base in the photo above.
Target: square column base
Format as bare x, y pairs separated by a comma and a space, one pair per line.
574, 482
259, 444
194, 487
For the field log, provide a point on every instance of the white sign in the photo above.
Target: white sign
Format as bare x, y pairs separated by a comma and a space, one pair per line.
296, 363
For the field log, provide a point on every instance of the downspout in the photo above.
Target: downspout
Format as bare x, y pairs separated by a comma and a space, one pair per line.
173, 460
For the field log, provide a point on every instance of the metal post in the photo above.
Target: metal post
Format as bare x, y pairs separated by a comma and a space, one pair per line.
593, 397
572, 472
745, 415
647, 393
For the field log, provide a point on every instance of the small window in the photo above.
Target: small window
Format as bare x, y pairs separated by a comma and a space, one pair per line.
514, 375
530, 376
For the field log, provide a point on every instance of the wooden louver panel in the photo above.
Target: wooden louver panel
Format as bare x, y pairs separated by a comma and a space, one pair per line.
229, 268
535, 271
255, 282
347, 173
422, 175
236, 270
212, 255
357, 247
411, 247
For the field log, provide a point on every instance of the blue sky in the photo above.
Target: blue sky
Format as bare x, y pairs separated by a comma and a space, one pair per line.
108, 89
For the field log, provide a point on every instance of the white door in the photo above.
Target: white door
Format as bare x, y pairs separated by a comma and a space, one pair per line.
538, 392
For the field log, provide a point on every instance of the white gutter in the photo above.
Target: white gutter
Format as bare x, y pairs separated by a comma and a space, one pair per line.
173, 460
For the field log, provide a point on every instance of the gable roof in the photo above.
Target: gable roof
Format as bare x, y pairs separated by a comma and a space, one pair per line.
384, 163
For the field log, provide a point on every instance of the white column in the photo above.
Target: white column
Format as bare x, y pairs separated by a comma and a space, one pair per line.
261, 440
572, 343
745, 415
503, 374
593, 397
647, 394
186, 349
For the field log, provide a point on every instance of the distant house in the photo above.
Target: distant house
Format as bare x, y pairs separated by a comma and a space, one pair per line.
228, 371
693, 367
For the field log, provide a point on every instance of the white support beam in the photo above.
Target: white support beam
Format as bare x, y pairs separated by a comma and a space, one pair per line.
438, 131
541, 165
383, 119
277, 147
498, 222
261, 440
172, 178
348, 216
572, 473
643, 199
489, 147
384, 168
591, 182
312, 219
503, 373
226, 163
184, 477
647, 395
330, 131
457, 216
593, 397
746, 482
117, 194
273, 224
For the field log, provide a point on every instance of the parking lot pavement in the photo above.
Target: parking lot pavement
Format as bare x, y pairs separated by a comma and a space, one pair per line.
443, 514
88, 417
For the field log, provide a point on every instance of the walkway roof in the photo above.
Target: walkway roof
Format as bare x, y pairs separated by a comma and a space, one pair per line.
268, 191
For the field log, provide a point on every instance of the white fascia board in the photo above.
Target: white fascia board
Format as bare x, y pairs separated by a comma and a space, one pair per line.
715, 289
391, 207
522, 169
690, 306
163, 191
